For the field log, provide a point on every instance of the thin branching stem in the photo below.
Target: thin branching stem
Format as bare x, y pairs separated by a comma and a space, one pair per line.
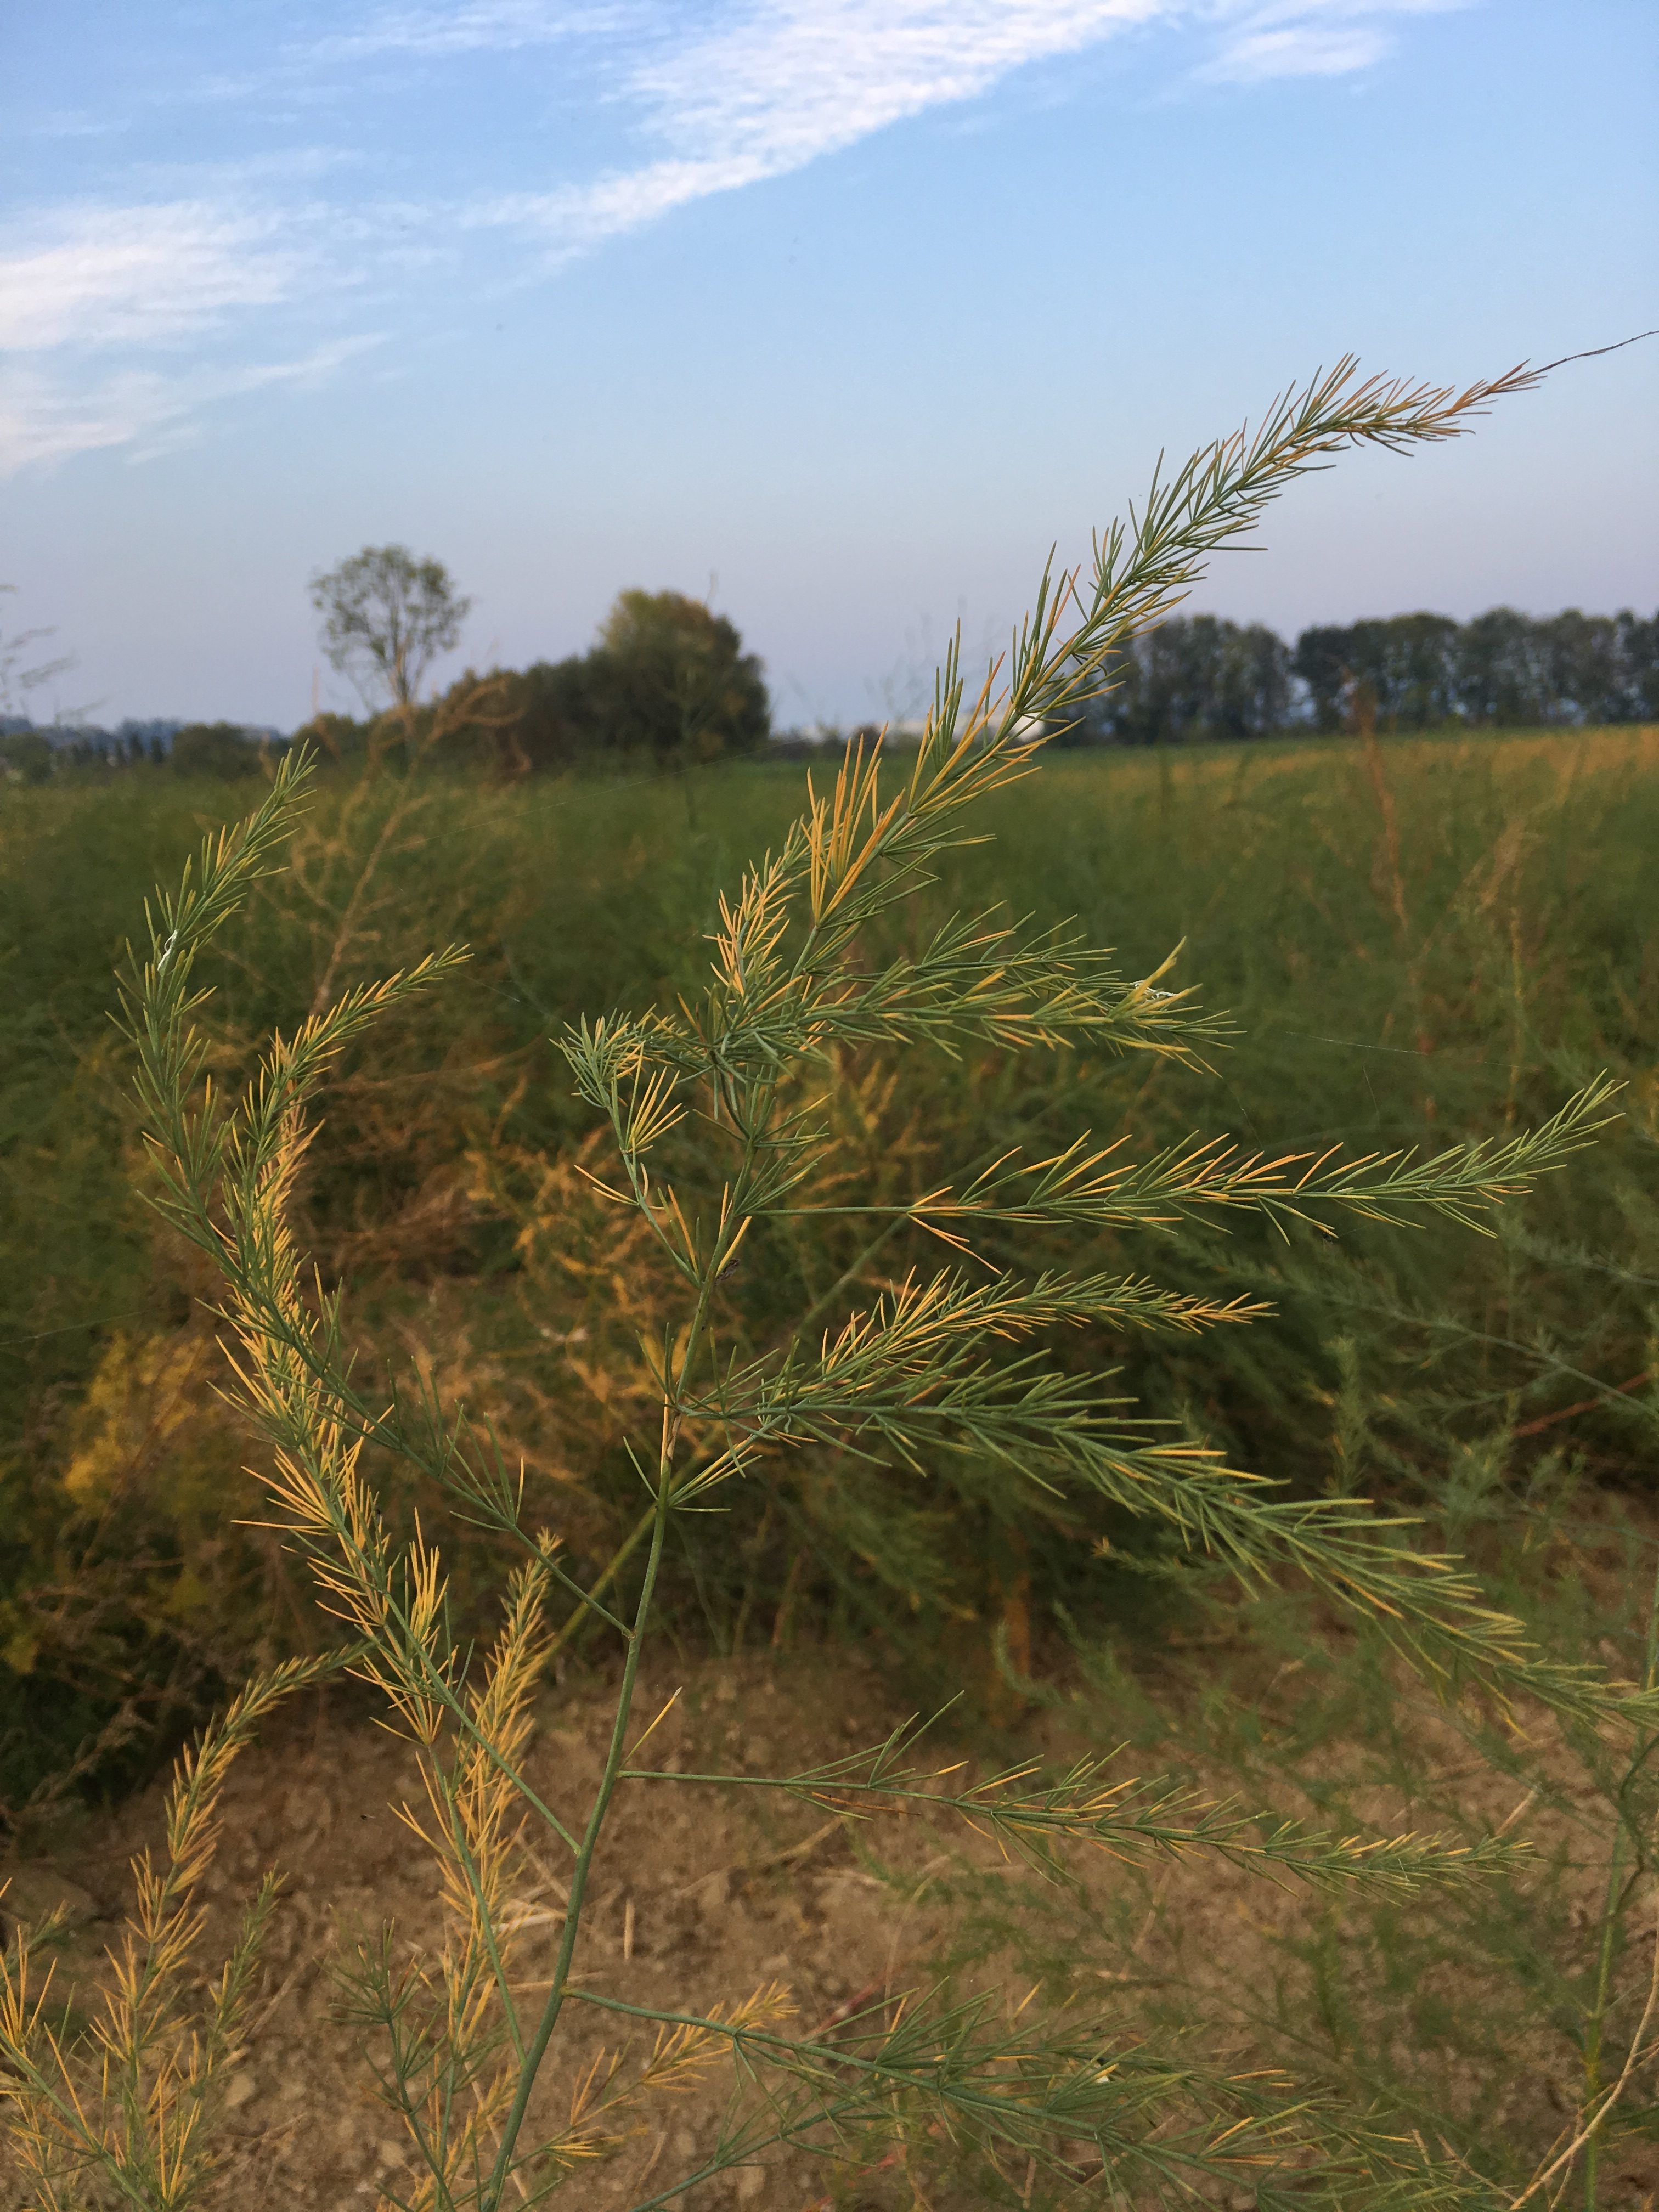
955, 1362
536, 2049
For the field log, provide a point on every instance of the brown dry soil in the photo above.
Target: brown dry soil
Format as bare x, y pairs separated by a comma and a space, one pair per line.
700, 1897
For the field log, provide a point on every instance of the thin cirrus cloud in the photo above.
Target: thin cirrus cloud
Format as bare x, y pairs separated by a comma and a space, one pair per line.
1251, 56
769, 91
1302, 49
45, 419
141, 276
478, 27
1293, 38
160, 278
752, 92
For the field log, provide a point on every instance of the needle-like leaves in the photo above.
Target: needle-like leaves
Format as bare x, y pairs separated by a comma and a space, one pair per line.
723, 1093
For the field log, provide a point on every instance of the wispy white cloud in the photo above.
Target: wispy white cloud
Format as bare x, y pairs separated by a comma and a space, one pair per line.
141, 276
729, 94
46, 417
1296, 50
162, 279
477, 27
776, 88
770, 90
1259, 39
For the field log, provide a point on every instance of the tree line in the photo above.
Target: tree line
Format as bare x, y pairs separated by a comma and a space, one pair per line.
32, 753
668, 683
1200, 678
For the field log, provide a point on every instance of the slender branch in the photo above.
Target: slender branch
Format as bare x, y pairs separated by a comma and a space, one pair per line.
536, 2048
1640, 2052
1130, 1816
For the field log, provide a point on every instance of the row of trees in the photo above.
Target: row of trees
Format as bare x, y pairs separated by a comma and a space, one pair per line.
1200, 678
229, 750
667, 682
1501, 670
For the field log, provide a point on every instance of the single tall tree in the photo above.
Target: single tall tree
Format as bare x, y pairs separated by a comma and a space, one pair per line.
387, 616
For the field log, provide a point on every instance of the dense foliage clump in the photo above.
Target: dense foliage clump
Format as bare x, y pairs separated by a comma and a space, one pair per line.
667, 685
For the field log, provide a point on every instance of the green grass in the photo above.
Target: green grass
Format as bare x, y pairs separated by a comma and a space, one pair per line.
1438, 940
1420, 943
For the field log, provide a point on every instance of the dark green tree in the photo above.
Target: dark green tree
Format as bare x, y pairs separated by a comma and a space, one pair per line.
671, 679
1323, 660
1255, 694
1502, 678
666, 679
1583, 676
216, 749
521, 721
25, 756
1422, 671
1410, 662
1195, 677
1638, 666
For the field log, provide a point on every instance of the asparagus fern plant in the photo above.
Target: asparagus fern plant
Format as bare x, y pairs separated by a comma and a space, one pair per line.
949, 1355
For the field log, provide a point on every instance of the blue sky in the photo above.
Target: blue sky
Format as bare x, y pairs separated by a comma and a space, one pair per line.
843, 311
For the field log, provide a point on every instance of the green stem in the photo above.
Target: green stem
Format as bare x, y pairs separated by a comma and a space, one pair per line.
657, 1520
1611, 1916
536, 2050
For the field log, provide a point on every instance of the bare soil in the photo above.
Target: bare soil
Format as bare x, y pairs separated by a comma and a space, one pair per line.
700, 1896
